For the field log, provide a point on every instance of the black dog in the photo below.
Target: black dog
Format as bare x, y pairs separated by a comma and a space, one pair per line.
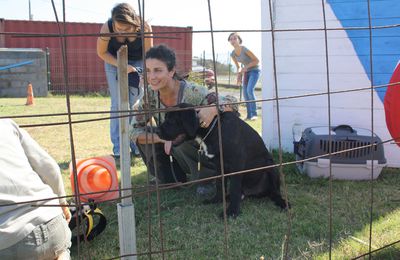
243, 149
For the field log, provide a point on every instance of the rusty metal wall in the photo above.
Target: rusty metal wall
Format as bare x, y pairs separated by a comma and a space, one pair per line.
85, 68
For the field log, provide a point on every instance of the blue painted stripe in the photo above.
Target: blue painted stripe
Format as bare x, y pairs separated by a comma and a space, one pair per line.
16, 65
385, 42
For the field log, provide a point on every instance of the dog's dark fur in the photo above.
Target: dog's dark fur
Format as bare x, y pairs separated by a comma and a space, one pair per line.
243, 149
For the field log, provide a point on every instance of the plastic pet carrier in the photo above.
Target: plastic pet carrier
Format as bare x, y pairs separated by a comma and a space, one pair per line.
352, 155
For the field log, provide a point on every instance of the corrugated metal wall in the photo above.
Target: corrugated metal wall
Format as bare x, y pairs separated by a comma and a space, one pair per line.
85, 68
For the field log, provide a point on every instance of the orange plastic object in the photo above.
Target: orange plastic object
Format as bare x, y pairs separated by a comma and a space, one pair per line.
97, 174
30, 100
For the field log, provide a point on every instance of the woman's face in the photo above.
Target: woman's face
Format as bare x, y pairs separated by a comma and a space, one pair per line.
123, 27
158, 75
234, 40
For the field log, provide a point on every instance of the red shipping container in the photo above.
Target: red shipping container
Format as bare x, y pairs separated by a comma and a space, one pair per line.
85, 70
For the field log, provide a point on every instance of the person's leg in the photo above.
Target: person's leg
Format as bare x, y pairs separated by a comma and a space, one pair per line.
253, 76
188, 158
111, 75
159, 165
246, 96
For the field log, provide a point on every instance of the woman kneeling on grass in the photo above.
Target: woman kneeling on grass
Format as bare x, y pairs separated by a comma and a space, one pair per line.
167, 90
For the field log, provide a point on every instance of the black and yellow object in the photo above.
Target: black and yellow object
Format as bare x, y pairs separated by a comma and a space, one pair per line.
87, 218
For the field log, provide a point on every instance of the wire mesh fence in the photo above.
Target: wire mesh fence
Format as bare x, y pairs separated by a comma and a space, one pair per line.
160, 240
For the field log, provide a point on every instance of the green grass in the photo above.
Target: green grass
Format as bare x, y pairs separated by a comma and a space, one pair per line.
194, 231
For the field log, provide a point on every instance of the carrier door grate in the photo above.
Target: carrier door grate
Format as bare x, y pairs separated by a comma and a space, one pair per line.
337, 146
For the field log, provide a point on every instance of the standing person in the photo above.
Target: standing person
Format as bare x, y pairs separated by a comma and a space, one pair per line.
28, 173
167, 90
123, 20
247, 67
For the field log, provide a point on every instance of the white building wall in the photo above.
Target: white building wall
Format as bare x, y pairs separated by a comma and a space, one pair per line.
301, 70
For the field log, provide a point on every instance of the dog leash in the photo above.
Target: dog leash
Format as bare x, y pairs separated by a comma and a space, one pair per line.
201, 151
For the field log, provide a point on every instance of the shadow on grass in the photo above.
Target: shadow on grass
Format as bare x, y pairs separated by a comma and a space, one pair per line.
176, 218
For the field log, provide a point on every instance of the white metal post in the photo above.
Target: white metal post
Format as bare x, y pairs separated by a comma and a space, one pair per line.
126, 209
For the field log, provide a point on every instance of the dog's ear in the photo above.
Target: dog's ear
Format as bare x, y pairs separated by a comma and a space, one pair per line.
190, 122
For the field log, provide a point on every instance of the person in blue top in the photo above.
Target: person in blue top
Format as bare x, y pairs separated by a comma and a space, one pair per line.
123, 20
248, 72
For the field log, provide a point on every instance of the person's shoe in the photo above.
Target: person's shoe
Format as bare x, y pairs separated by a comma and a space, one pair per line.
253, 118
117, 160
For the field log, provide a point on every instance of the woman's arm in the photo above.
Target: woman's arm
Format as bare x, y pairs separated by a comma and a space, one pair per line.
102, 46
148, 42
149, 138
239, 71
199, 95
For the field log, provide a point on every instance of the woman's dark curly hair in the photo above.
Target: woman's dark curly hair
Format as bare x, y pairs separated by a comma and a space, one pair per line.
164, 54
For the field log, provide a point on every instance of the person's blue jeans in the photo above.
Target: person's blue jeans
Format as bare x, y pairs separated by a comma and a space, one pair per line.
134, 97
249, 83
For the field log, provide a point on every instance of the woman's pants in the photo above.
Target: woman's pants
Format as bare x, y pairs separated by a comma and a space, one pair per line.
134, 98
185, 161
249, 83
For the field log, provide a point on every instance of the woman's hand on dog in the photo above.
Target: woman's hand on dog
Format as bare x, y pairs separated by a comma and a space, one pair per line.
206, 115
151, 139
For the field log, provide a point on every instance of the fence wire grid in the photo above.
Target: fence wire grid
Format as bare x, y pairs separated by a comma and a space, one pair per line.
148, 189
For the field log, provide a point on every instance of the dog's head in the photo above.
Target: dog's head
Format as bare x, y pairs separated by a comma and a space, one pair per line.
180, 125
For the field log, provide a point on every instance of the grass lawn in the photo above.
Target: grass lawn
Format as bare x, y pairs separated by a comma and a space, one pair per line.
187, 229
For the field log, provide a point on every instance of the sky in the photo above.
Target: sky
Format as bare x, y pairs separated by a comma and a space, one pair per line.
229, 15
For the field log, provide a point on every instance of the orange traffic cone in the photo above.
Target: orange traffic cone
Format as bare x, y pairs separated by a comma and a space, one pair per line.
97, 174
30, 100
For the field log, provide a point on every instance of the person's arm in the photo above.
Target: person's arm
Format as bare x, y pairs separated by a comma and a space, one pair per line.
45, 166
102, 49
139, 125
199, 95
102, 46
148, 42
238, 69
151, 138
254, 60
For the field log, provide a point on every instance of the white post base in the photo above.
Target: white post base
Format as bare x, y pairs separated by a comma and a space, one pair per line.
127, 231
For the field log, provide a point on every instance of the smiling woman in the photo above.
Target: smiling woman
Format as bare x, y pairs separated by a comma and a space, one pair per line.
167, 90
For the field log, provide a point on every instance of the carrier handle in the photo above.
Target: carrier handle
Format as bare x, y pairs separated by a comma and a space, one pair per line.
344, 127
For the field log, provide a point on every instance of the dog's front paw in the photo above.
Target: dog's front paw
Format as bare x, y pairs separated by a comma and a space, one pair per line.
287, 207
282, 204
230, 213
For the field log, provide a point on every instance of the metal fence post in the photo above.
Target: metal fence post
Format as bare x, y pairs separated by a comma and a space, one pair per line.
126, 209
48, 68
